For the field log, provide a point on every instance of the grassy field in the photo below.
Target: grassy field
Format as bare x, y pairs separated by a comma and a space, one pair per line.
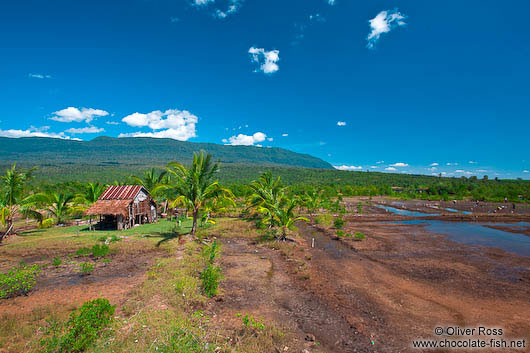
152, 274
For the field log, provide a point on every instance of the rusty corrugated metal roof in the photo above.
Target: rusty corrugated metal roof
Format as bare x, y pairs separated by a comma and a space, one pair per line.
121, 192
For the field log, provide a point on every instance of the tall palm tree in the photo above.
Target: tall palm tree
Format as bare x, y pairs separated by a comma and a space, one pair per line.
58, 205
13, 190
150, 179
195, 185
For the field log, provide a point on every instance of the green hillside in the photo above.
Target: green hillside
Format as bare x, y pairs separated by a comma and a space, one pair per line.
137, 152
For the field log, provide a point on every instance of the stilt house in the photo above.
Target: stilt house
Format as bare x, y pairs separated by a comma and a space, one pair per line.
122, 207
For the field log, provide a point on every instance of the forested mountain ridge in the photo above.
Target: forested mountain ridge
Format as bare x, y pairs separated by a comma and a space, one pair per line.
101, 151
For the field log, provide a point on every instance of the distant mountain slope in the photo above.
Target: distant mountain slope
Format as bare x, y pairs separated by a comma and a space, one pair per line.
108, 151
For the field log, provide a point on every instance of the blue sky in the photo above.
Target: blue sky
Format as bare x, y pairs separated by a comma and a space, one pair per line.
395, 86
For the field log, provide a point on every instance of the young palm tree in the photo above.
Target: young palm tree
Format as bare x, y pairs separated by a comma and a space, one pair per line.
195, 185
267, 195
90, 195
12, 193
312, 200
286, 218
58, 205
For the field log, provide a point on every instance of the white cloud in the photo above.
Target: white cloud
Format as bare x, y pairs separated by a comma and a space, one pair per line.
432, 168
526, 171
266, 59
390, 169
459, 171
433, 164
482, 170
33, 132
174, 123
85, 130
379, 162
71, 114
347, 167
227, 8
331, 2
246, 140
317, 18
112, 123
384, 22
374, 167
399, 164
341, 123
451, 164
285, 135
472, 162
39, 76
270, 139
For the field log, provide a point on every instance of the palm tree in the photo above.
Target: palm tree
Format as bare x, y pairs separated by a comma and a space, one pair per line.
267, 195
195, 185
286, 218
313, 200
151, 179
57, 204
12, 193
89, 197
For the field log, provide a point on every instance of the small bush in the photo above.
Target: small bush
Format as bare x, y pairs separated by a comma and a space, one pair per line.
324, 219
82, 252
340, 233
359, 236
82, 328
210, 253
57, 261
47, 223
100, 250
210, 278
250, 323
338, 223
348, 235
18, 281
86, 268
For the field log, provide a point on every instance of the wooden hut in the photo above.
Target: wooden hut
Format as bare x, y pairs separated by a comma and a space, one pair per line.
122, 207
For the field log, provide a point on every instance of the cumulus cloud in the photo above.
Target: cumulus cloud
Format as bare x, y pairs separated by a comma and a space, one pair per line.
347, 167
341, 123
173, 123
34, 132
391, 169
433, 165
85, 130
71, 114
526, 171
220, 9
246, 140
39, 76
384, 22
285, 135
267, 60
399, 165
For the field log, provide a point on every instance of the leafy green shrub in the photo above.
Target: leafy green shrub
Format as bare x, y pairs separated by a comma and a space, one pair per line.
46, 223
324, 219
210, 278
82, 328
359, 236
100, 250
112, 239
18, 281
86, 268
57, 261
340, 233
250, 323
210, 253
82, 251
348, 235
338, 223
